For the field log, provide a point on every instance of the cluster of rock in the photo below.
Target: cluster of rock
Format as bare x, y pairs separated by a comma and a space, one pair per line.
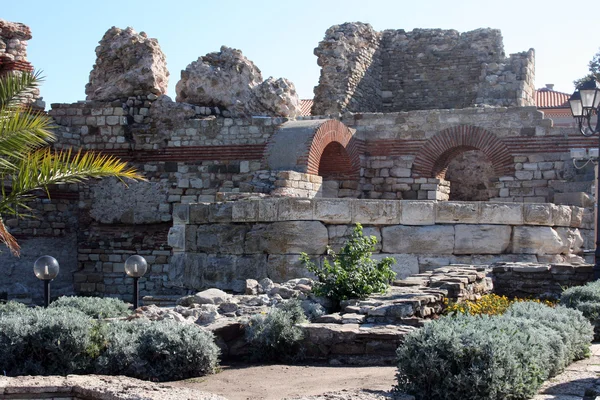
127, 64
229, 80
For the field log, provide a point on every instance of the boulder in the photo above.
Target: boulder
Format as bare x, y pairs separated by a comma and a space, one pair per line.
228, 80
127, 64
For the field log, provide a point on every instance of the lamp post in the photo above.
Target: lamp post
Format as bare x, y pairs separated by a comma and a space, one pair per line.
46, 268
136, 266
585, 102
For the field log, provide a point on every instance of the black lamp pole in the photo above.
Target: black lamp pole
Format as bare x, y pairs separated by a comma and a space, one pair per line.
585, 102
136, 292
47, 292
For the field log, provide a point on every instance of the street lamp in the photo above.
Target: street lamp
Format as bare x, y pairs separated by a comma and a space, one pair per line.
136, 266
46, 268
585, 102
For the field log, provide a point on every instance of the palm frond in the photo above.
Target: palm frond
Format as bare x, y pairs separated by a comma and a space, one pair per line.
14, 88
21, 132
9, 240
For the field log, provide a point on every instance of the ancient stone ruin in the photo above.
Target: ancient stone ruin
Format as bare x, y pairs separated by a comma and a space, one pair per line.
239, 184
230, 81
127, 64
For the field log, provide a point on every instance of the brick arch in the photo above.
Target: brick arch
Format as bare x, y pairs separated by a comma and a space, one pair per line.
435, 155
300, 145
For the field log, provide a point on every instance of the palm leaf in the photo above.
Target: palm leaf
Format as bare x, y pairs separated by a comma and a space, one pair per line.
9, 240
14, 88
21, 132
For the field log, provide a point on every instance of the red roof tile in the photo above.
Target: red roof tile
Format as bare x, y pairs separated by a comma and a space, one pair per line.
547, 98
305, 107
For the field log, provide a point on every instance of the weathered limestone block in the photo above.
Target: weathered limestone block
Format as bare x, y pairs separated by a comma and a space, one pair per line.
538, 240
405, 265
376, 212
449, 212
221, 238
229, 80
181, 214
418, 240
333, 211
199, 213
577, 216
572, 239
501, 213
481, 239
268, 210
176, 237
245, 211
294, 209
561, 215
283, 267
417, 212
290, 237
537, 214
136, 203
127, 64
220, 212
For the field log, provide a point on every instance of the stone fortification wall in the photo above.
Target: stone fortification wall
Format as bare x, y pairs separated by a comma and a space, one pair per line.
222, 244
394, 70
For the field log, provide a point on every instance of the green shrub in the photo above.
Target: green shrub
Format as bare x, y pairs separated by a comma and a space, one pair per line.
587, 300
12, 307
46, 342
275, 336
161, 350
95, 307
352, 272
491, 357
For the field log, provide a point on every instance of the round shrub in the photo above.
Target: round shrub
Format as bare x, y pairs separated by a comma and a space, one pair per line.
275, 336
160, 350
95, 307
45, 342
587, 300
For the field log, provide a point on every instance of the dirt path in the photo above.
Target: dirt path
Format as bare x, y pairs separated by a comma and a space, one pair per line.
275, 382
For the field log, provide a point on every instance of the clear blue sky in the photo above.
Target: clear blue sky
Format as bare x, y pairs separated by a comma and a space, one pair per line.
279, 36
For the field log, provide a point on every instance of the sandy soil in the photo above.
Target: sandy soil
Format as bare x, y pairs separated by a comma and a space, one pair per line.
275, 382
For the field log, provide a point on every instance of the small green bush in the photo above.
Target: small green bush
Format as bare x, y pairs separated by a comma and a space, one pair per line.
491, 357
45, 342
352, 272
587, 300
161, 350
12, 307
95, 307
275, 336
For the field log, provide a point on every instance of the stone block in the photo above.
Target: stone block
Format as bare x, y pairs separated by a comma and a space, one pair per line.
267, 209
577, 216
457, 212
376, 212
537, 214
181, 214
481, 239
245, 211
417, 212
437, 239
292, 209
339, 234
221, 238
220, 212
539, 240
283, 267
198, 213
561, 215
571, 238
333, 211
405, 265
287, 237
501, 213
176, 237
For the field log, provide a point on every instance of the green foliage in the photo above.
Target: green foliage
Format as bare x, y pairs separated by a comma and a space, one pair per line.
64, 340
587, 300
275, 336
45, 342
491, 357
352, 272
161, 350
12, 307
94, 307
593, 67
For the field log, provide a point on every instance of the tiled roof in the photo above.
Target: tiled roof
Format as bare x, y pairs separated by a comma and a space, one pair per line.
547, 98
305, 107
